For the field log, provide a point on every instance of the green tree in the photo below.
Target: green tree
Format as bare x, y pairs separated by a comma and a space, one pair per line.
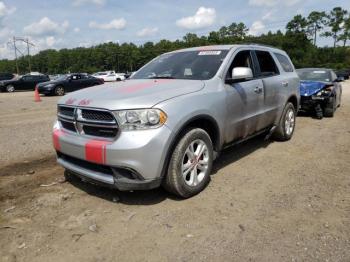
345, 36
298, 25
334, 21
316, 21
239, 30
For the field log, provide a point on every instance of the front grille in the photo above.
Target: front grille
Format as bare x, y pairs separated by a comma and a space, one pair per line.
100, 131
92, 122
66, 111
68, 125
97, 115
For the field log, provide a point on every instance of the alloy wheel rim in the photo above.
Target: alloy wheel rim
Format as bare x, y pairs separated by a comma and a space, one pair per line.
195, 163
10, 88
60, 91
289, 122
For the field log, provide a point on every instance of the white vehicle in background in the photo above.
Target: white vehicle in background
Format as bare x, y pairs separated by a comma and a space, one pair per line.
109, 76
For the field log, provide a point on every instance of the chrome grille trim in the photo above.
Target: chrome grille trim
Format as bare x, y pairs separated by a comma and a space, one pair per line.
80, 122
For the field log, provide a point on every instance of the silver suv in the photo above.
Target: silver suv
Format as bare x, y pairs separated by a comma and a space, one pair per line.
167, 124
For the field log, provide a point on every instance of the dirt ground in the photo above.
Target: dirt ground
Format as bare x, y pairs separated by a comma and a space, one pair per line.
267, 201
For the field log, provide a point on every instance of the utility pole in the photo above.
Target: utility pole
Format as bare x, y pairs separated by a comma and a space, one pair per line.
26, 41
15, 47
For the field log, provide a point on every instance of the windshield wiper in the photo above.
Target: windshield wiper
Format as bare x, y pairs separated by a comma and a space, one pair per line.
161, 77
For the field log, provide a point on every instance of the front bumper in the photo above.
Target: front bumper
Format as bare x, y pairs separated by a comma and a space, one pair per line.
45, 90
132, 161
309, 102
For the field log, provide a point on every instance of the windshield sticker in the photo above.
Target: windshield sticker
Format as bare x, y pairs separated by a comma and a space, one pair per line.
319, 72
209, 53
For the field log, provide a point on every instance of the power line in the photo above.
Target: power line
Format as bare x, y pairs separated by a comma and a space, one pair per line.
13, 43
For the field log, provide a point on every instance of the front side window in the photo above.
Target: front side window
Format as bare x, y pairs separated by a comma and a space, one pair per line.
28, 78
285, 63
242, 59
76, 77
192, 65
266, 63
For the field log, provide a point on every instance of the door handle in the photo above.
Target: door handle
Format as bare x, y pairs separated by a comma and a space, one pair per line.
284, 83
258, 89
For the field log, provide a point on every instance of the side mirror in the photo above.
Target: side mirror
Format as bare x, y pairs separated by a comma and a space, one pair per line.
240, 74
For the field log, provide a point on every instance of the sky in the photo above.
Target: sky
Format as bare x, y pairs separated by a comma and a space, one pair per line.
73, 23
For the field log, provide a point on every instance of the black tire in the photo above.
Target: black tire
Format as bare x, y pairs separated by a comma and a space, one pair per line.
10, 88
59, 91
280, 133
118, 79
330, 107
174, 181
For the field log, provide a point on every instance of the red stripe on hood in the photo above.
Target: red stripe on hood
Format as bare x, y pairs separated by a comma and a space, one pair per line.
140, 86
56, 139
95, 151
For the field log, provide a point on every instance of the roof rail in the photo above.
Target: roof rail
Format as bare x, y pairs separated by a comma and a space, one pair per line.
264, 45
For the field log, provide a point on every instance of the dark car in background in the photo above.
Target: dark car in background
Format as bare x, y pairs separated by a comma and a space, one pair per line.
320, 91
68, 83
6, 76
25, 82
343, 74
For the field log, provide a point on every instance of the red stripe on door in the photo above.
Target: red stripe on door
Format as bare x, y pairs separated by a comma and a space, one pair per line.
95, 151
56, 139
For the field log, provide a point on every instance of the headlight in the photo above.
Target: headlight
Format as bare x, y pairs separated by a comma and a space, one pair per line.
319, 93
140, 119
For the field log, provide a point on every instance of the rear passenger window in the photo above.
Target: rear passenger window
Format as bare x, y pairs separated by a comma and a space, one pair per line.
285, 63
267, 64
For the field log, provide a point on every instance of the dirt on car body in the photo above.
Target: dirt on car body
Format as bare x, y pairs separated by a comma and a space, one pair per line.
269, 201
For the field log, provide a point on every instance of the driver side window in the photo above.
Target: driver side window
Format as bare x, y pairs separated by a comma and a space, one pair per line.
75, 77
242, 59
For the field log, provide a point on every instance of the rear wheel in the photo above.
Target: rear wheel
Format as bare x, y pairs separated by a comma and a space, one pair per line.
10, 88
59, 91
190, 164
285, 129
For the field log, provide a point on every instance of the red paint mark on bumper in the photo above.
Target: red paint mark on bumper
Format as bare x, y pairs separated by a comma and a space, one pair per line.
95, 151
56, 139
140, 86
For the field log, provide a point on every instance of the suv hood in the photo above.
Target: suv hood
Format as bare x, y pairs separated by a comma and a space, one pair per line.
308, 88
143, 93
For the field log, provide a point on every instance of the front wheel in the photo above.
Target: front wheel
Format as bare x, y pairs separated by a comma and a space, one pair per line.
285, 129
190, 164
10, 88
59, 91
330, 107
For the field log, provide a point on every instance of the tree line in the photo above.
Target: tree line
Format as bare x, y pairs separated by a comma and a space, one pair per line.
299, 40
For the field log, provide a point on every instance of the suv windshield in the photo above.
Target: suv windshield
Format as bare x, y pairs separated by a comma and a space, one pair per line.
314, 75
192, 65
